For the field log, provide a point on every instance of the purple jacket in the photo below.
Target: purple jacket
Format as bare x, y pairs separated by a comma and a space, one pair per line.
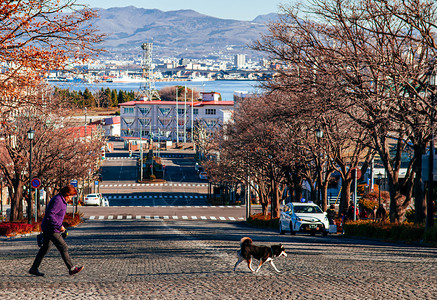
55, 213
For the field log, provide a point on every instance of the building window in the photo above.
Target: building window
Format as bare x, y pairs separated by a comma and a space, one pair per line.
181, 111
144, 110
210, 111
128, 110
195, 111
164, 111
210, 123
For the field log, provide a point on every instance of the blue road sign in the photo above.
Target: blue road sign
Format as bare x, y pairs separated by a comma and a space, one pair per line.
74, 183
35, 183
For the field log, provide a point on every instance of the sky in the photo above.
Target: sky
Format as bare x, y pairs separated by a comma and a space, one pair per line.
245, 10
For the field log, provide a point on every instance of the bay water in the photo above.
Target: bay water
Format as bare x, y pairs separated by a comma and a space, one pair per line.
226, 88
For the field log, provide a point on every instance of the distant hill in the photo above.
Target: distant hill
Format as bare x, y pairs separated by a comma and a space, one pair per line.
265, 19
180, 33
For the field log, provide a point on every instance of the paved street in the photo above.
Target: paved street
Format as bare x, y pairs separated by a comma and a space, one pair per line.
193, 259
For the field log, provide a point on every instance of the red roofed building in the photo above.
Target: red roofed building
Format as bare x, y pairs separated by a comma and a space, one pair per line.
159, 118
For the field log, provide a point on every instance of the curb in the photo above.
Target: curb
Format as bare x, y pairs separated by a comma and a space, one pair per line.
6, 238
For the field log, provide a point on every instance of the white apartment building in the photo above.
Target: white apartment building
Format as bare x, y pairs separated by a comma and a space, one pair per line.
240, 61
171, 120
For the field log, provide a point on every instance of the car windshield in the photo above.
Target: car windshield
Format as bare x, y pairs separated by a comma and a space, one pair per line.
307, 209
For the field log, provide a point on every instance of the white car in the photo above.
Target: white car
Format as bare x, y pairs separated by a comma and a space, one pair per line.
105, 201
303, 217
93, 199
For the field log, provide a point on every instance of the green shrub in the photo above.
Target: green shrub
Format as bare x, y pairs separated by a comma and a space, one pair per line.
410, 215
259, 220
430, 235
407, 232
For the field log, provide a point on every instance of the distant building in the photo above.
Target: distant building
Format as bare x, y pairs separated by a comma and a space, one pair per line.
240, 61
171, 120
111, 126
211, 96
184, 61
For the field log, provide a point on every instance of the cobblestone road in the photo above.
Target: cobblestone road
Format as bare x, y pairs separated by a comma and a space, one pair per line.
158, 259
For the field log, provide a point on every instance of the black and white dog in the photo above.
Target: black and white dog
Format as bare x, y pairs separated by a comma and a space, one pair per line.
261, 253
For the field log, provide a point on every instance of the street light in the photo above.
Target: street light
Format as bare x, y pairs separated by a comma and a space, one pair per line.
379, 188
432, 82
319, 136
85, 122
1, 195
30, 136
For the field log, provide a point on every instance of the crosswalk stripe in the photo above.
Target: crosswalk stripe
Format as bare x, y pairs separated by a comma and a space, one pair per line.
138, 217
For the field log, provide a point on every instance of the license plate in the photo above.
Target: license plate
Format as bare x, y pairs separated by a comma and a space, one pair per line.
312, 226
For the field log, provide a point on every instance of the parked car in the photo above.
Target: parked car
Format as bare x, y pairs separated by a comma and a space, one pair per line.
303, 217
105, 201
203, 176
93, 199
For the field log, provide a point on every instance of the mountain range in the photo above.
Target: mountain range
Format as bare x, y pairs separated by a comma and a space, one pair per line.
178, 33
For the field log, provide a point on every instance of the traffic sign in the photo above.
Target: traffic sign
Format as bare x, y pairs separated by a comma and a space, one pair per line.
96, 182
35, 183
355, 172
74, 183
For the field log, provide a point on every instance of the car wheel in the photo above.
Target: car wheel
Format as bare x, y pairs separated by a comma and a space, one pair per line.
281, 231
292, 232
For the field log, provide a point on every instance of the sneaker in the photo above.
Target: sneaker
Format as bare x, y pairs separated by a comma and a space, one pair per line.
75, 270
35, 272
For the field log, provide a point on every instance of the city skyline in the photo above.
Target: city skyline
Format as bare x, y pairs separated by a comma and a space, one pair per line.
226, 9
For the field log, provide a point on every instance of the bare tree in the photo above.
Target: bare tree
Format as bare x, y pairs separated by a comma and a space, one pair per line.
59, 154
369, 59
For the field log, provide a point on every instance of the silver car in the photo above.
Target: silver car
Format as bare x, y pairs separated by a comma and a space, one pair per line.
303, 217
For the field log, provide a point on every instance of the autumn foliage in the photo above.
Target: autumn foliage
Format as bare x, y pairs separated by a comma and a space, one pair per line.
16, 228
39, 36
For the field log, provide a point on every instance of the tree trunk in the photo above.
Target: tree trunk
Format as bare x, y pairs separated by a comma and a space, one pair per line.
345, 195
16, 201
275, 201
419, 193
263, 199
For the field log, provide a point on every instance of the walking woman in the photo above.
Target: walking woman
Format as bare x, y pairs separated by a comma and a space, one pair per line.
52, 229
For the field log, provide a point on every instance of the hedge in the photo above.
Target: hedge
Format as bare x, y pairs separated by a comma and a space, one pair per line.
14, 228
260, 220
407, 232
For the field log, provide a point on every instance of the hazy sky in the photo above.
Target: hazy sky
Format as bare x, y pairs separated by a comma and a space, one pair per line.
224, 9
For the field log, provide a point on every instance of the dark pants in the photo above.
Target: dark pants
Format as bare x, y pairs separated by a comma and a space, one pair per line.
59, 242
